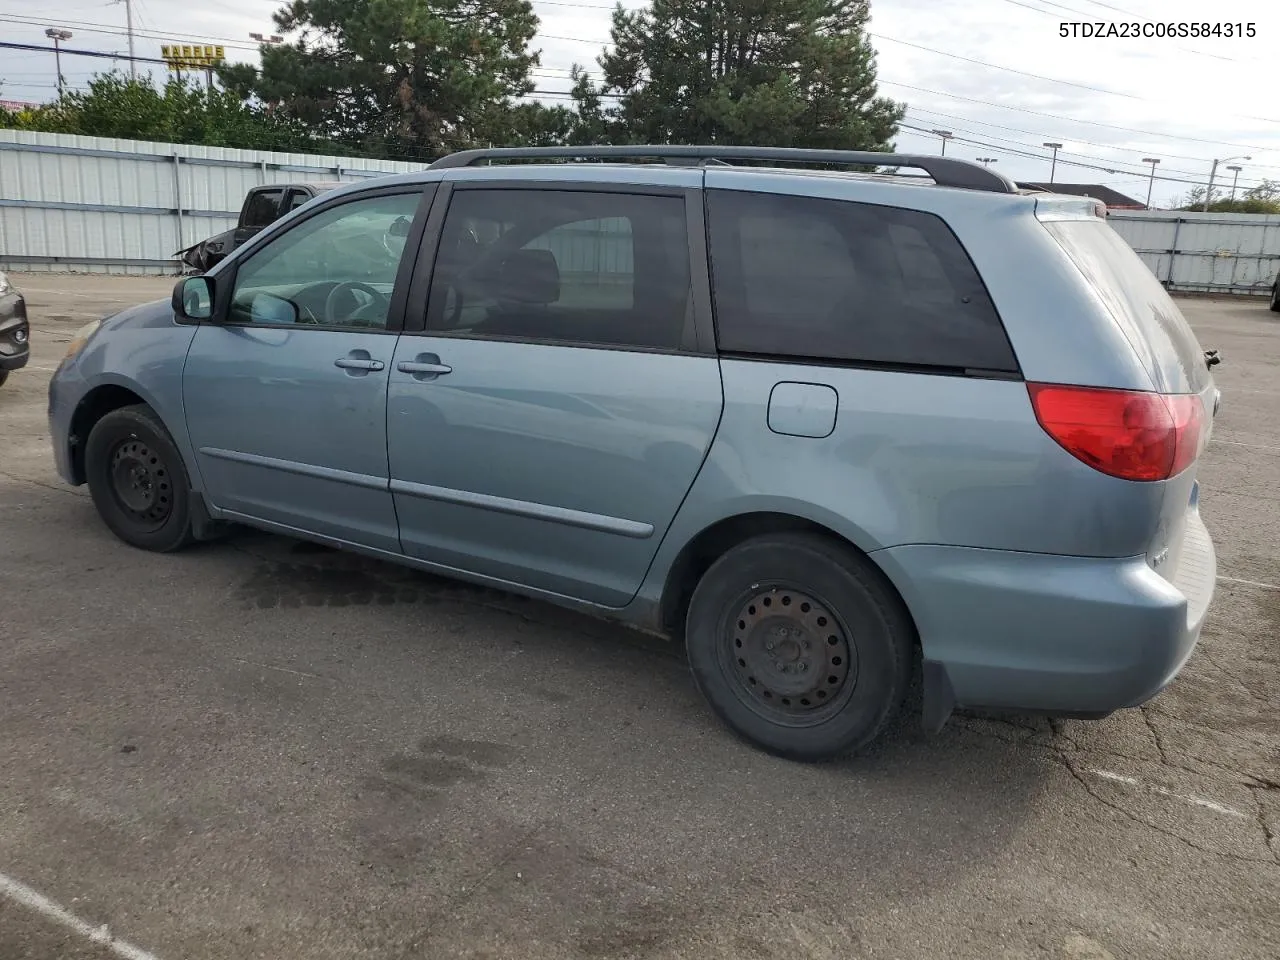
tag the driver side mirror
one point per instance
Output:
(193, 298)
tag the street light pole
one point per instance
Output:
(1234, 180)
(1053, 164)
(945, 135)
(1208, 194)
(1151, 181)
(57, 35)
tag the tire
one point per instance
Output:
(138, 481)
(1275, 299)
(4, 375)
(778, 601)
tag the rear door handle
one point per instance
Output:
(358, 362)
(425, 366)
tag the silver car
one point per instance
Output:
(825, 428)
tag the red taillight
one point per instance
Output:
(1123, 433)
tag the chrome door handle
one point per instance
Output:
(425, 366)
(358, 363)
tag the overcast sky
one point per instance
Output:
(995, 72)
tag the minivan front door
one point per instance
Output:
(285, 398)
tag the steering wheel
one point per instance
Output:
(332, 301)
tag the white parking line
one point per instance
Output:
(1249, 583)
(1195, 801)
(21, 893)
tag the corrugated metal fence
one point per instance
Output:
(1235, 253)
(123, 206)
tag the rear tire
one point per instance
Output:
(800, 646)
(138, 481)
(1275, 300)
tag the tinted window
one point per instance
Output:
(564, 266)
(296, 199)
(832, 280)
(337, 268)
(1150, 319)
(262, 208)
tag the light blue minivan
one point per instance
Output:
(826, 427)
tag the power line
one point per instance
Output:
(1189, 173)
(1027, 154)
(1092, 123)
(1038, 76)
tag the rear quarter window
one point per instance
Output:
(1151, 321)
(834, 280)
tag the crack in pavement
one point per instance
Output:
(1155, 735)
(1079, 777)
(71, 491)
(1054, 752)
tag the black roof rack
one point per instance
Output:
(945, 171)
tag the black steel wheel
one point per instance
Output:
(790, 654)
(138, 481)
(141, 484)
(800, 645)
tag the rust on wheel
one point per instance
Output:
(791, 655)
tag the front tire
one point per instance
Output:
(138, 481)
(4, 375)
(800, 646)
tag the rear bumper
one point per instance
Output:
(1052, 634)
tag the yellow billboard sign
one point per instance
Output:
(193, 55)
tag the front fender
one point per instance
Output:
(144, 354)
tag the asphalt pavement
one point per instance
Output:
(262, 749)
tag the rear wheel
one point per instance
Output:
(1275, 298)
(800, 646)
(138, 481)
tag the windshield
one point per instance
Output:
(1142, 307)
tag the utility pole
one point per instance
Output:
(128, 19)
(1053, 164)
(945, 135)
(57, 35)
(1151, 181)
(1234, 180)
(987, 161)
(1208, 194)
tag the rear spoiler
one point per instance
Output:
(1058, 206)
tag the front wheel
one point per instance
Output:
(4, 375)
(138, 481)
(800, 646)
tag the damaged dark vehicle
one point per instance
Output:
(262, 207)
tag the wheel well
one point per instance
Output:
(96, 404)
(712, 543)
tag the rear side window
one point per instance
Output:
(1146, 313)
(821, 279)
